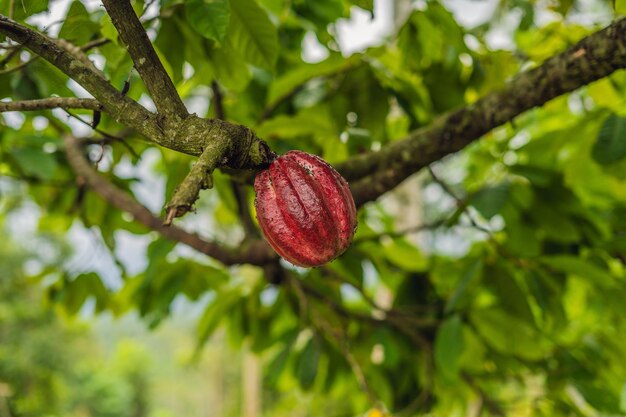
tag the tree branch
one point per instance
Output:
(239, 146)
(217, 101)
(106, 137)
(147, 63)
(90, 45)
(50, 103)
(199, 178)
(121, 108)
(9, 56)
(256, 253)
(593, 58)
(461, 203)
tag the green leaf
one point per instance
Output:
(274, 6)
(35, 162)
(24, 8)
(364, 4)
(556, 225)
(306, 367)
(405, 255)
(320, 12)
(168, 42)
(521, 239)
(449, 347)
(610, 146)
(599, 398)
(370, 104)
(210, 18)
(622, 399)
(214, 314)
(50, 80)
(78, 27)
(502, 280)
(93, 209)
(620, 8)
(229, 67)
(460, 289)
(509, 335)
(579, 267)
(297, 77)
(314, 122)
(78, 290)
(252, 34)
(25, 87)
(108, 30)
(489, 201)
(278, 363)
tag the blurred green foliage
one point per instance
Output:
(49, 365)
(505, 296)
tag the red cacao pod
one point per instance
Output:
(305, 209)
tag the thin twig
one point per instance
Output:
(50, 103)
(460, 202)
(400, 233)
(20, 66)
(446, 188)
(106, 135)
(385, 312)
(94, 44)
(146, 7)
(9, 56)
(36, 180)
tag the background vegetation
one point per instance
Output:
(490, 283)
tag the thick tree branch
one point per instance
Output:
(121, 108)
(50, 103)
(256, 253)
(147, 63)
(593, 58)
(239, 146)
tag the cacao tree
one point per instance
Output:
(486, 275)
